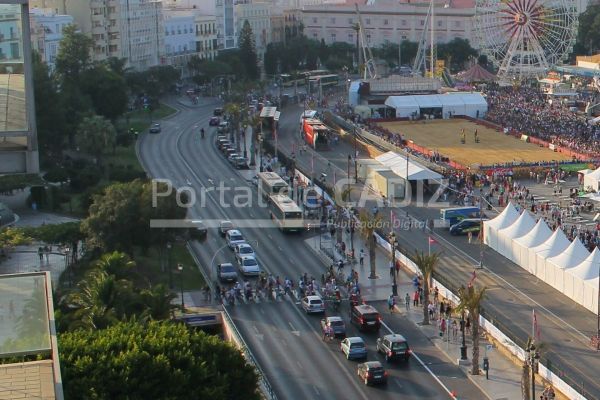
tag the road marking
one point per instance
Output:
(259, 335)
(316, 390)
(299, 365)
(424, 366)
(397, 382)
(294, 331)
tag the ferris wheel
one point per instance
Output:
(525, 38)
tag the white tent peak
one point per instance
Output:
(538, 235)
(572, 256)
(589, 268)
(507, 217)
(555, 243)
(520, 227)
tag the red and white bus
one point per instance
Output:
(316, 134)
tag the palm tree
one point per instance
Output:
(158, 302)
(115, 263)
(235, 112)
(470, 300)
(254, 122)
(426, 264)
(368, 224)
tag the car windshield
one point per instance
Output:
(226, 225)
(235, 238)
(376, 370)
(400, 346)
(369, 317)
(357, 345)
(315, 301)
(249, 262)
(227, 268)
(337, 323)
(246, 250)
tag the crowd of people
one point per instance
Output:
(527, 110)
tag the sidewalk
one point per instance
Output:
(504, 375)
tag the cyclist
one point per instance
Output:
(202, 133)
(327, 332)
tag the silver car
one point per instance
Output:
(226, 272)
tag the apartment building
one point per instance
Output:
(18, 140)
(260, 15)
(46, 33)
(206, 37)
(226, 34)
(386, 22)
(131, 29)
(180, 39)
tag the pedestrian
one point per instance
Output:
(416, 298)
(391, 270)
(431, 310)
(442, 326)
(448, 310)
(47, 253)
(340, 266)
(468, 324)
(391, 303)
(407, 302)
(361, 257)
(41, 253)
(469, 236)
(454, 330)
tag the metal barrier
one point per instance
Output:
(266, 387)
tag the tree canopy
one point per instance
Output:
(157, 360)
(247, 52)
(588, 34)
(96, 136)
(73, 57)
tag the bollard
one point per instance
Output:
(486, 367)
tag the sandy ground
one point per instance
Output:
(493, 147)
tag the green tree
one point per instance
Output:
(107, 91)
(49, 114)
(156, 360)
(68, 233)
(248, 52)
(271, 60)
(427, 264)
(12, 237)
(456, 52)
(368, 225)
(234, 111)
(158, 302)
(588, 34)
(73, 57)
(96, 136)
(470, 300)
(117, 65)
(115, 263)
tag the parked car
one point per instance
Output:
(222, 143)
(217, 112)
(214, 121)
(372, 372)
(231, 158)
(226, 272)
(467, 225)
(336, 324)
(313, 304)
(240, 163)
(224, 226)
(249, 266)
(198, 231)
(223, 126)
(155, 128)
(366, 317)
(354, 348)
(233, 238)
(394, 347)
(243, 250)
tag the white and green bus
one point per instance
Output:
(269, 184)
(323, 81)
(286, 214)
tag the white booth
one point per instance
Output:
(490, 228)
(556, 266)
(555, 245)
(538, 235)
(522, 225)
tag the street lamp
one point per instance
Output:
(533, 357)
(180, 268)
(463, 346)
(355, 156)
(393, 243)
(169, 265)
(244, 139)
(67, 251)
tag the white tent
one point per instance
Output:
(556, 266)
(555, 244)
(416, 172)
(428, 101)
(538, 235)
(453, 105)
(490, 228)
(522, 225)
(581, 282)
(592, 180)
(405, 106)
(475, 104)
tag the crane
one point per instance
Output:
(370, 67)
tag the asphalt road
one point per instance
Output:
(286, 342)
(512, 293)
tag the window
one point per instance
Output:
(315, 20)
(422, 22)
(439, 23)
(403, 22)
(350, 21)
(314, 35)
(368, 21)
(333, 37)
(368, 38)
(385, 22)
(351, 38)
(457, 24)
(332, 20)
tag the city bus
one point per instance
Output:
(315, 72)
(285, 213)
(323, 81)
(451, 216)
(269, 184)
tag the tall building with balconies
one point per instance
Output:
(130, 29)
(18, 140)
(46, 33)
(224, 13)
(206, 37)
(180, 38)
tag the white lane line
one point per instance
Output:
(299, 365)
(397, 382)
(424, 366)
(316, 390)
(460, 252)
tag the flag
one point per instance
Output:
(431, 240)
(536, 334)
(473, 277)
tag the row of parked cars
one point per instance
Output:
(245, 256)
(366, 318)
(228, 149)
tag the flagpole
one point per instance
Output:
(429, 246)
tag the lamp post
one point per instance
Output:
(169, 265)
(463, 346)
(180, 268)
(355, 156)
(349, 161)
(67, 251)
(480, 230)
(245, 126)
(533, 357)
(393, 243)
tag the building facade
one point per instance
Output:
(131, 29)
(46, 33)
(206, 37)
(259, 15)
(224, 13)
(180, 39)
(18, 135)
(386, 23)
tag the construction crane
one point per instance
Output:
(420, 63)
(370, 71)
